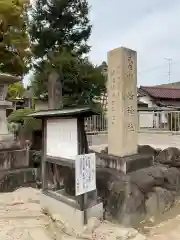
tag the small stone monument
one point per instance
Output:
(5, 80)
(122, 102)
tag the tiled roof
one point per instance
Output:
(84, 111)
(160, 92)
(141, 93)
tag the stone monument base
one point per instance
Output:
(68, 213)
(138, 161)
(126, 164)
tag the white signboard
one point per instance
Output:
(62, 138)
(85, 170)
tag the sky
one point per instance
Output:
(151, 27)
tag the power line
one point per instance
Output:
(151, 69)
(169, 67)
(145, 71)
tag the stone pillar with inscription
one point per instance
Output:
(122, 102)
(54, 91)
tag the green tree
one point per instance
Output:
(60, 30)
(58, 24)
(83, 83)
(15, 90)
(13, 37)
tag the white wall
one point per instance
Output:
(152, 119)
(148, 100)
(146, 119)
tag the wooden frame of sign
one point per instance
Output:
(51, 118)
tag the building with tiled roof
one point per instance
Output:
(165, 98)
(161, 96)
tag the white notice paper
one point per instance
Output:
(62, 138)
(85, 171)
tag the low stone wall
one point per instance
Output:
(15, 168)
(14, 179)
(13, 159)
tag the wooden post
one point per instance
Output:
(43, 161)
(82, 149)
(27, 147)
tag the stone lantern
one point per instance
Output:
(5, 80)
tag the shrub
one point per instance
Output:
(36, 158)
(21, 116)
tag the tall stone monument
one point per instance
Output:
(5, 80)
(122, 102)
(54, 91)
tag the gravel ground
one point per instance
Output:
(21, 218)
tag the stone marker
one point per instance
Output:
(122, 102)
(54, 91)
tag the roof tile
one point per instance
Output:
(161, 92)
